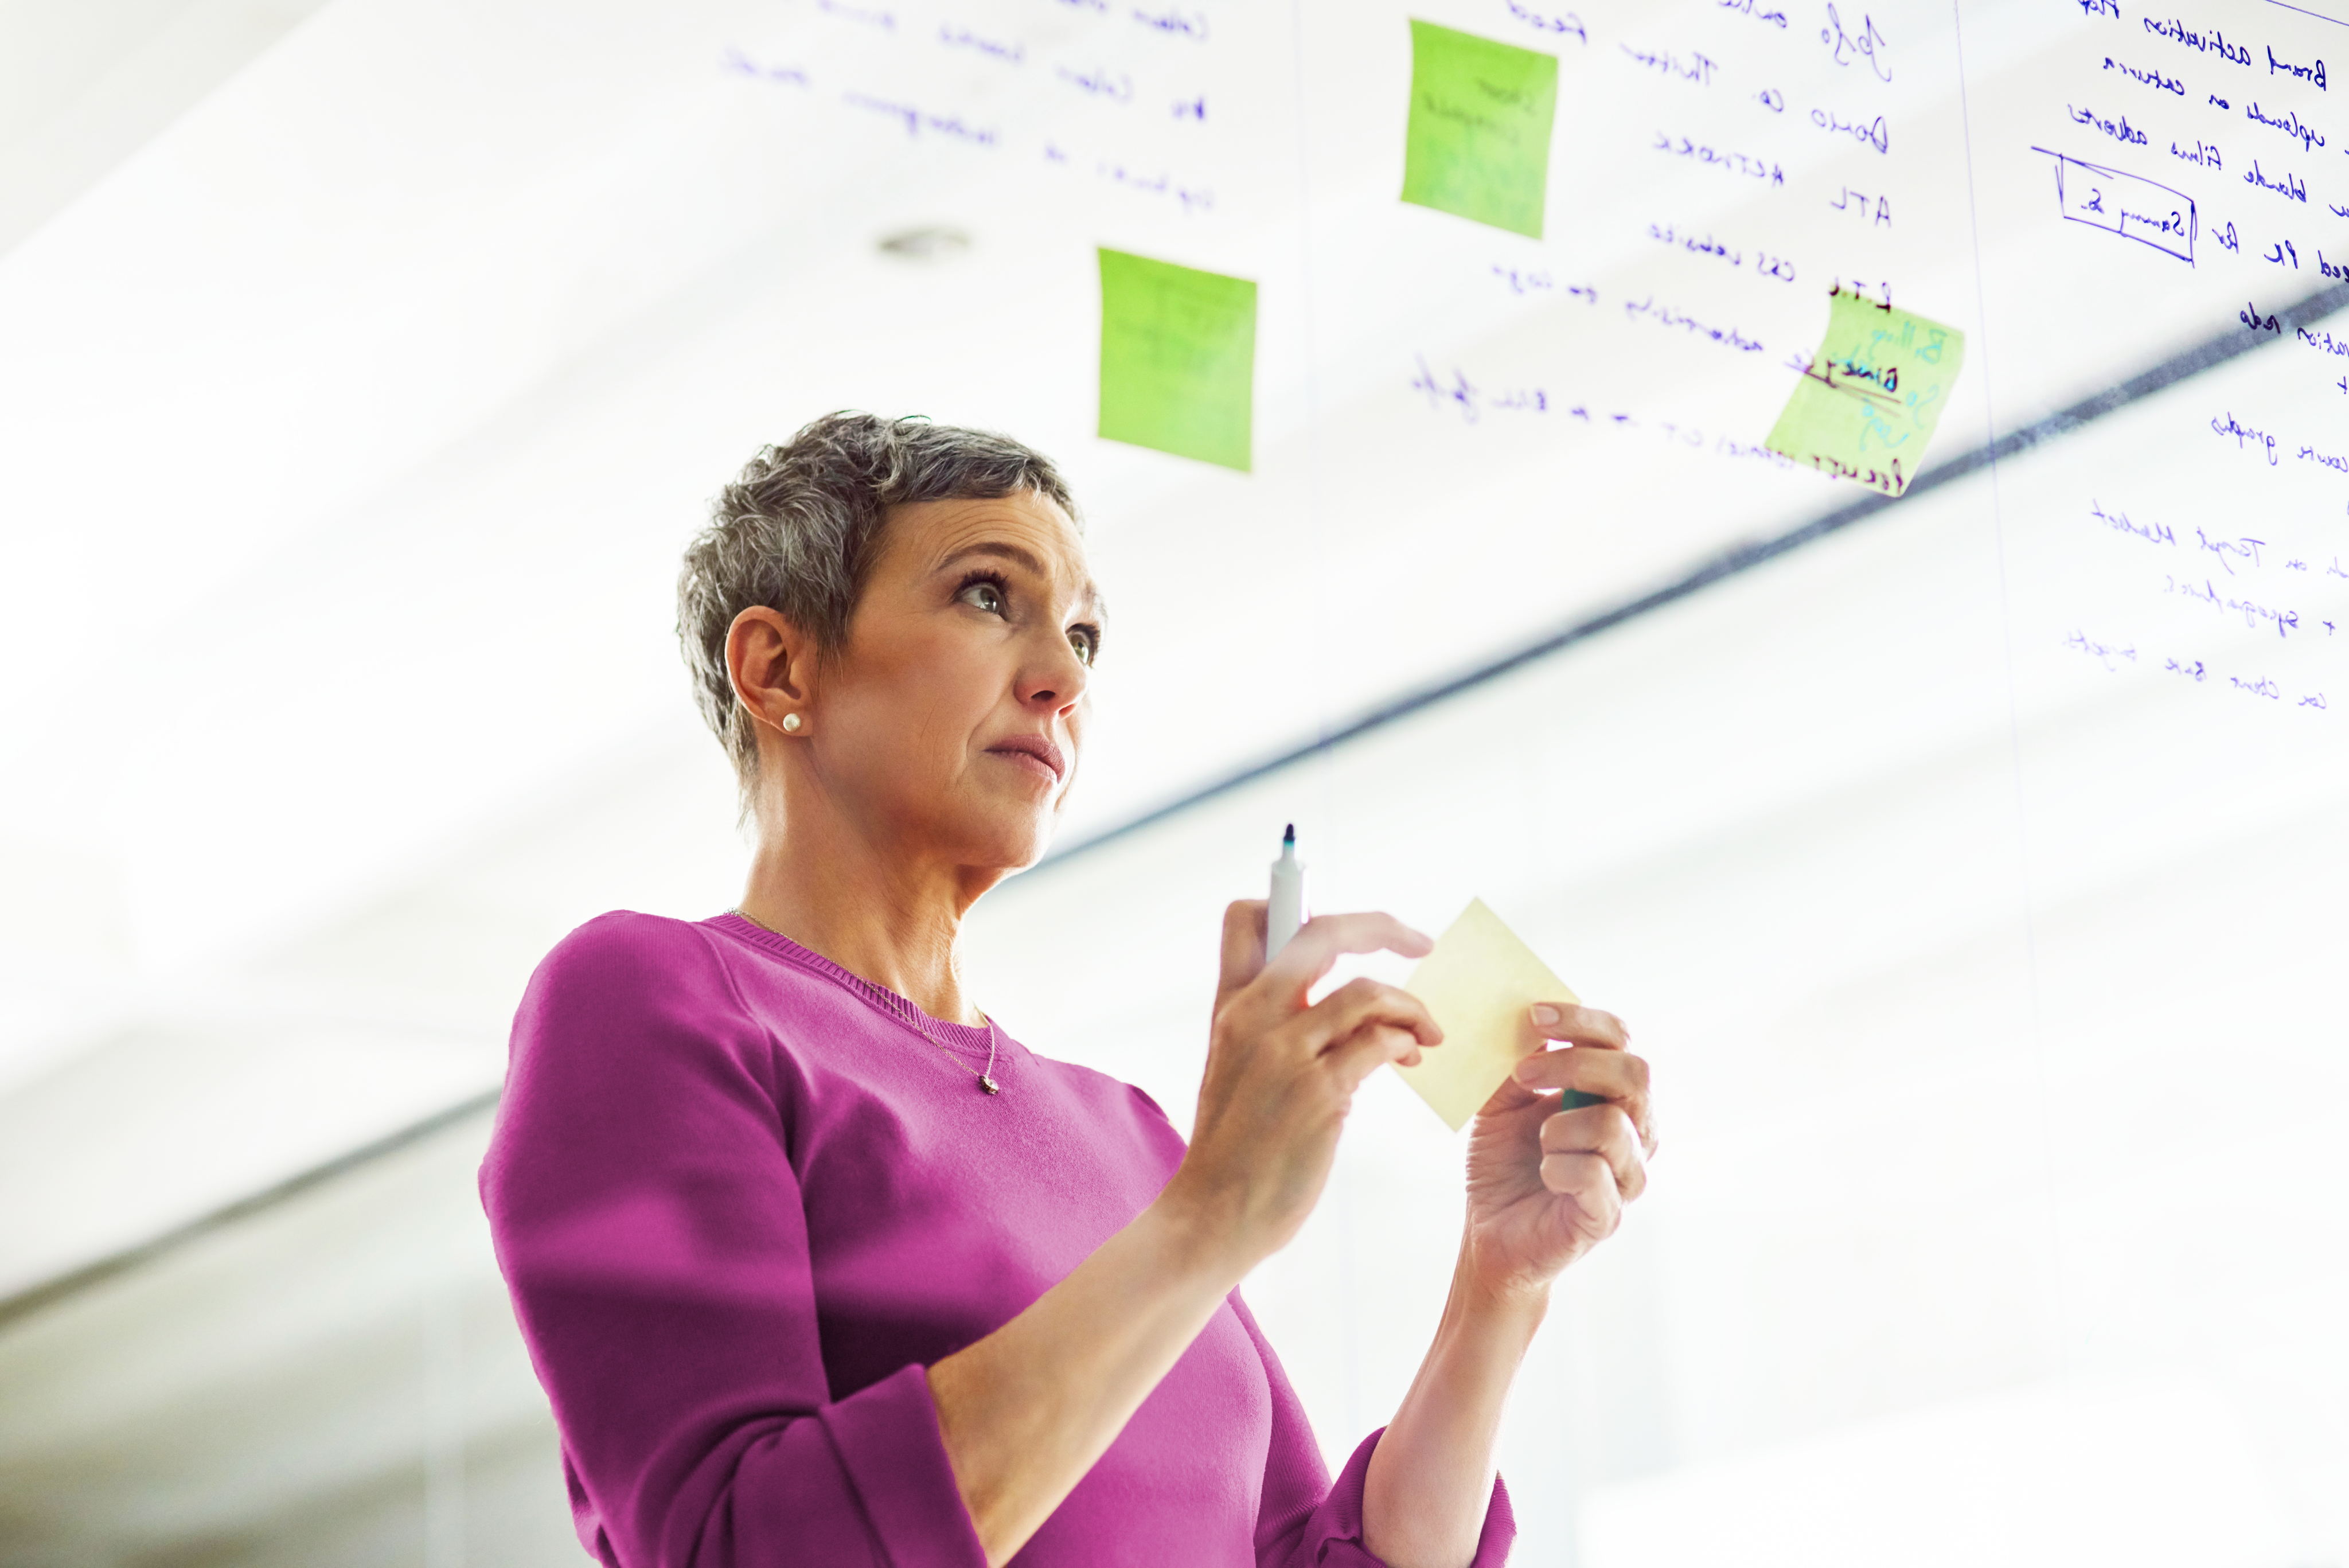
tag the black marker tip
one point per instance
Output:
(1289, 834)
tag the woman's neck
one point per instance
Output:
(880, 915)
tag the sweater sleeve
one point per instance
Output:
(648, 1222)
(1305, 1520)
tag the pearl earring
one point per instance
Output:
(791, 723)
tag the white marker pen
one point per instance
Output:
(1285, 911)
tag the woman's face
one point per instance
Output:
(950, 724)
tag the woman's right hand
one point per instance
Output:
(1282, 1076)
(1026, 1412)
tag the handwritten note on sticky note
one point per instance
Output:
(1870, 397)
(1177, 358)
(1478, 143)
(1479, 983)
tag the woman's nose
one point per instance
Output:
(1059, 683)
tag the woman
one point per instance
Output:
(818, 1266)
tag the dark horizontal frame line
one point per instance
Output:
(2190, 362)
(2320, 15)
(26, 1303)
(2193, 361)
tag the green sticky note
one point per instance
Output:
(1479, 139)
(1870, 397)
(1177, 358)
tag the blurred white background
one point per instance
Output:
(363, 367)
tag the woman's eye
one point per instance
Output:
(1083, 641)
(984, 595)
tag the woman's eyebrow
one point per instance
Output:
(1089, 596)
(1001, 549)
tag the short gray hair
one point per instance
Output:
(799, 529)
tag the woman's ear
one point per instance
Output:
(772, 664)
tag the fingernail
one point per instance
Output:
(1523, 1072)
(1544, 1014)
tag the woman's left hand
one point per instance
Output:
(1545, 1184)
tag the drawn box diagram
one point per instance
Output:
(2125, 205)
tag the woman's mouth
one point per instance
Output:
(1034, 753)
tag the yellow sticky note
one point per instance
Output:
(1478, 982)
(1868, 400)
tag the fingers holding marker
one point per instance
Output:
(1364, 1024)
(1368, 1049)
(1243, 948)
(1589, 1180)
(1579, 1025)
(1609, 1074)
(1593, 1067)
(1320, 942)
(1604, 1131)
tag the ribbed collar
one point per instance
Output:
(964, 1039)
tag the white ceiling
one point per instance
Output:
(363, 366)
(83, 86)
(354, 423)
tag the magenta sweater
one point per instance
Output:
(741, 1201)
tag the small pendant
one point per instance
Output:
(988, 1085)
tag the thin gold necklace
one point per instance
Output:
(986, 1080)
